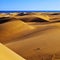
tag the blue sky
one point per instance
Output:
(29, 4)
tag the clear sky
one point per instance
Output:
(29, 4)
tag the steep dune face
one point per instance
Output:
(13, 29)
(46, 41)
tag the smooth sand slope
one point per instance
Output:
(13, 29)
(7, 54)
(45, 41)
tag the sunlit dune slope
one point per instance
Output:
(7, 54)
(13, 29)
(45, 41)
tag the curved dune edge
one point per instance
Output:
(14, 29)
(32, 17)
(7, 54)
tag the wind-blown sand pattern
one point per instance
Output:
(34, 36)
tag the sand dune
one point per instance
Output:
(45, 41)
(13, 29)
(34, 36)
(28, 18)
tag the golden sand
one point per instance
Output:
(33, 40)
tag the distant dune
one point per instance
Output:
(31, 18)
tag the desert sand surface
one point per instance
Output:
(7, 54)
(34, 36)
(45, 41)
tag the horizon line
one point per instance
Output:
(29, 10)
